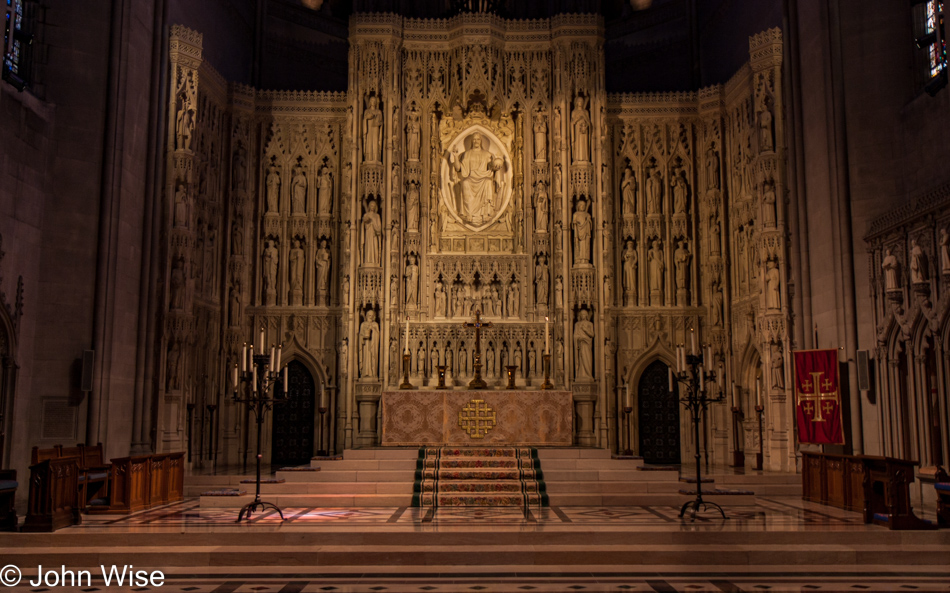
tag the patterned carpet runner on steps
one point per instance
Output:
(483, 476)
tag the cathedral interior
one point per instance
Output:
(448, 235)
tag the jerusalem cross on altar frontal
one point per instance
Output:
(477, 382)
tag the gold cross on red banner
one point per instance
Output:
(822, 398)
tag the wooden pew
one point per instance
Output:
(94, 475)
(8, 486)
(54, 495)
(144, 481)
(878, 487)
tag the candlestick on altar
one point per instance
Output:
(262, 340)
(692, 339)
(244, 358)
(406, 351)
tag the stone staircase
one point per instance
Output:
(385, 477)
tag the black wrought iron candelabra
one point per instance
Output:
(693, 376)
(263, 386)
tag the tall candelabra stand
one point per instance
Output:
(738, 456)
(259, 378)
(323, 408)
(693, 377)
(760, 412)
(627, 410)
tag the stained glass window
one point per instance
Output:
(937, 52)
(17, 39)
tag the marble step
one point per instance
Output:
(300, 500)
(348, 476)
(579, 499)
(341, 488)
(611, 475)
(572, 453)
(365, 464)
(590, 463)
(384, 453)
(584, 487)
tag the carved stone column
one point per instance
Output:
(368, 405)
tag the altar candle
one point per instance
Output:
(547, 329)
(708, 355)
(250, 357)
(234, 377)
(272, 353)
(244, 358)
(254, 378)
(277, 366)
(671, 380)
(323, 397)
(702, 379)
(262, 340)
(758, 393)
(407, 335)
(692, 338)
(285, 379)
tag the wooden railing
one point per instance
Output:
(144, 481)
(54, 495)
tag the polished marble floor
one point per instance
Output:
(772, 521)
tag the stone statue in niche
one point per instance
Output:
(890, 266)
(541, 280)
(237, 240)
(296, 266)
(463, 360)
(324, 191)
(944, 251)
(434, 231)
(412, 281)
(488, 307)
(715, 237)
(371, 235)
(580, 131)
(558, 293)
(420, 361)
(239, 169)
(322, 258)
(270, 267)
(181, 206)
(655, 192)
(681, 259)
(477, 181)
(177, 284)
(413, 133)
(413, 207)
(234, 310)
(449, 359)
(345, 291)
(344, 361)
(185, 121)
(583, 347)
(608, 298)
(298, 192)
(541, 207)
(372, 131)
(273, 189)
(519, 360)
(768, 204)
(628, 189)
(393, 289)
(716, 304)
(777, 363)
(434, 358)
(369, 346)
(741, 256)
(712, 168)
(440, 299)
(765, 126)
(680, 193)
(532, 361)
(496, 302)
(557, 179)
(630, 263)
(514, 300)
(918, 265)
(556, 121)
(173, 380)
(540, 136)
(657, 271)
(490, 360)
(583, 226)
(458, 302)
(773, 298)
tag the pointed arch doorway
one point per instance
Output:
(659, 416)
(292, 440)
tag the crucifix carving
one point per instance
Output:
(477, 382)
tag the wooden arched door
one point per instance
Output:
(659, 416)
(292, 442)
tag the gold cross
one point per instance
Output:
(477, 418)
(822, 398)
(478, 325)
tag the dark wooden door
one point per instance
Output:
(659, 417)
(293, 420)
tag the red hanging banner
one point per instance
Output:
(818, 397)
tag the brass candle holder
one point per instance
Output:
(440, 370)
(510, 369)
(546, 363)
(406, 361)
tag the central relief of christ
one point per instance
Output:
(476, 178)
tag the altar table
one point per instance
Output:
(477, 417)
